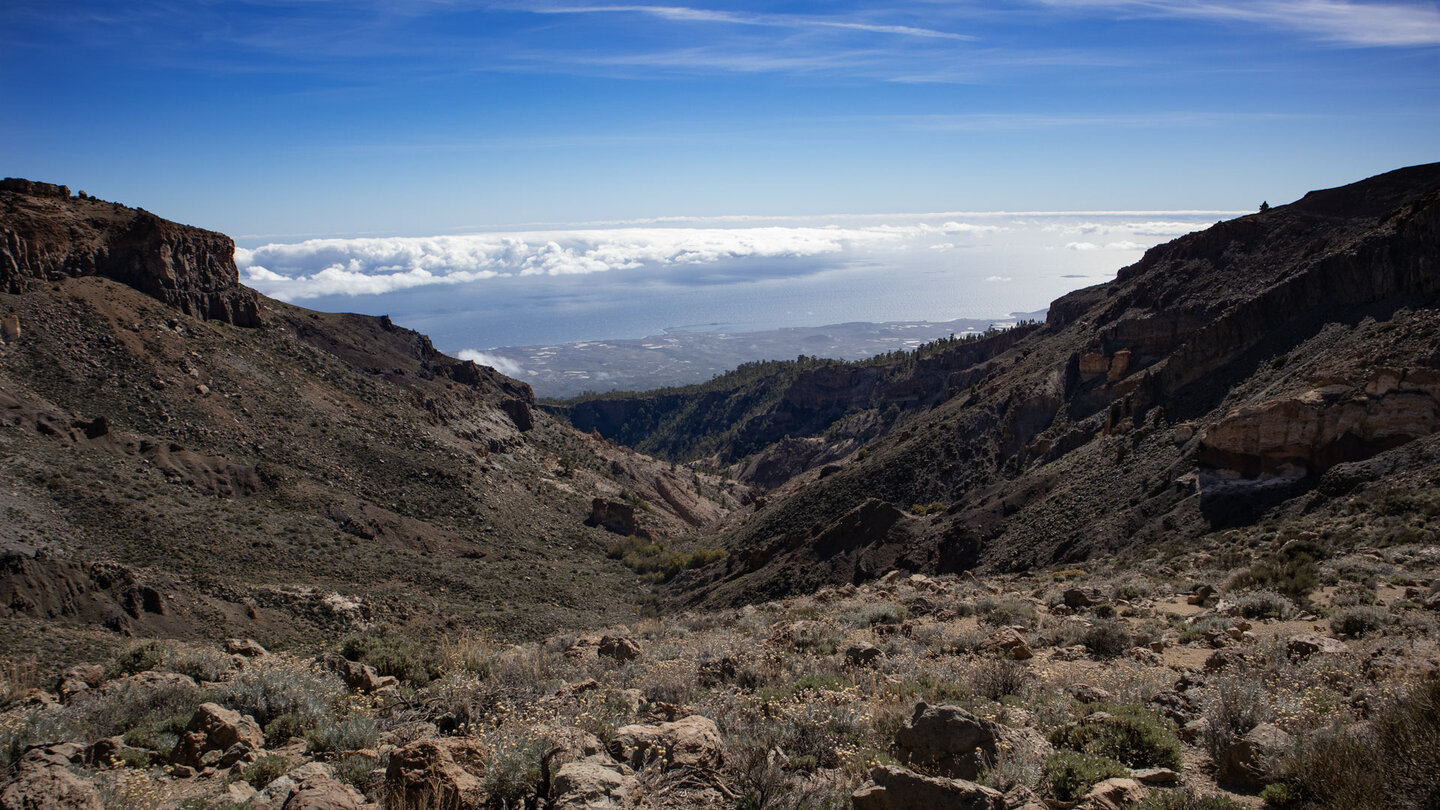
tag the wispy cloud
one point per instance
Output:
(1360, 24)
(504, 365)
(794, 21)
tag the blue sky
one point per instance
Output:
(276, 121)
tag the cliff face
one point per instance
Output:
(1217, 380)
(46, 235)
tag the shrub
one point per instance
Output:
(1355, 622)
(1239, 703)
(349, 734)
(1069, 774)
(1393, 764)
(354, 771)
(265, 770)
(146, 655)
(996, 678)
(1292, 570)
(1129, 734)
(277, 685)
(407, 659)
(1107, 639)
(1005, 611)
(1185, 800)
(1263, 605)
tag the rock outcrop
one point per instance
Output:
(46, 235)
(894, 788)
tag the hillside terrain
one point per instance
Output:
(1274, 366)
(183, 457)
(1175, 548)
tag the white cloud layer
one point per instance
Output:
(367, 266)
(504, 365)
(741, 249)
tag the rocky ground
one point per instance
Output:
(1263, 669)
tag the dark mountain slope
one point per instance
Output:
(279, 473)
(781, 418)
(1215, 381)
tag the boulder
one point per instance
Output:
(692, 742)
(247, 647)
(863, 655)
(442, 772)
(950, 741)
(321, 791)
(112, 751)
(1113, 794)
(1008, 640)
(1088, 693)
(45, 782)
(215, 728)
(1308, 644)
(1204, 595)
(1245, 763)
(591, 784)
(1155, 776)
(893, 788)
(620, 648)
(357, 676)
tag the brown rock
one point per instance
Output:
(214, 728)
(620, 648)
(591, 784)
(1308, 644)
(1246, 762)
(1113, 794)
(863, 655)
(895, 788)
(692, 742)
(41, 783)
(444, 772)
(952, 742)
(247, 647)
(614, 516)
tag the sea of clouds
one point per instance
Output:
(622, 280)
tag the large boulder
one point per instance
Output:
(893, 788)
(215, 728)
(593, 784)
(1113, 794)
(44, 781)
(1245, 764)
(691, 742)
(950, 741)
(1308, 644)
(620, 648)
(444, 772)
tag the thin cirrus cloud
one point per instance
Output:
(794, 21)
(1342, 22)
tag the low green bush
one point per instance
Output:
(1130, 734)
(1185, 800)
(1070, 774)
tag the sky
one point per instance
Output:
(689, 129)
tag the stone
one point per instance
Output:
(1009, 641)
(620, 648)
(1203, 595)
(10, 328)
(1245, 763)
(614, 516)
(1089, 693)
(1155, 776)
(691, 742)
(1308, 644)
(215, 728)
(247, 647)
(895, 788)
(863, 655)
(1113, 794)
(950, 741)
(112, 751)
(590, 784)
(357, 676)
(41, 783)
(1079, 597)
(441, 772)
(321, 791)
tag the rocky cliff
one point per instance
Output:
(47, 235)
(1214, 382)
